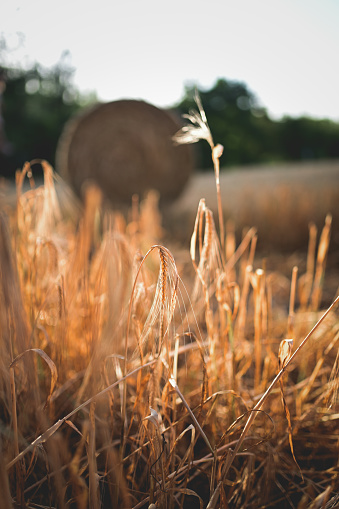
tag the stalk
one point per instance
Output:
(217, 151)
(214, 499)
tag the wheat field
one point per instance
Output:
(130, 379)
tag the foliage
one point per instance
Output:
(306, 138)
(249, 135)
(36, 104)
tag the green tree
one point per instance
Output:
(36, 104)
(306, 138)
(249, 135)
(237, 122)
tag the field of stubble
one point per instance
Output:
(206, 375)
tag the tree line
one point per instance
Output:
(35, 104)
(250, 136)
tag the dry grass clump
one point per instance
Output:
(121, 387)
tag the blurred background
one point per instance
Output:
(265, 70)
(37, 102)
(266, 73)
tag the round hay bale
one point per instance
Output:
(125, 147)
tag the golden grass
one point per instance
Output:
(122, 387)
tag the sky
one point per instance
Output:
(286, 51)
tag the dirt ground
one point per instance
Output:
(280, 201)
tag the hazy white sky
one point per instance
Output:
(285, 50)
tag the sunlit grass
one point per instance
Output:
(124, 383)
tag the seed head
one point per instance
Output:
(198, 128)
